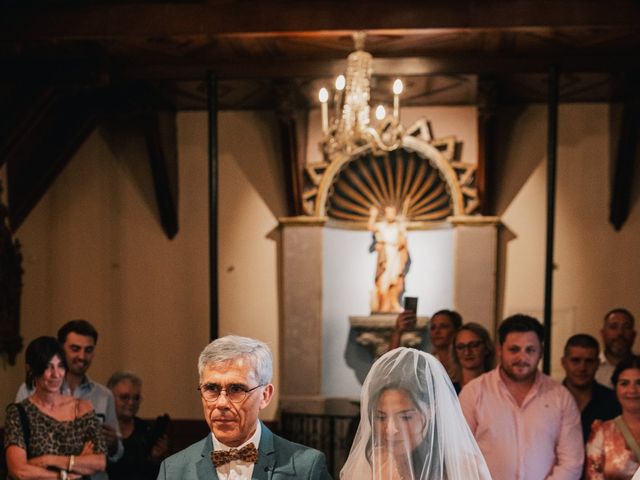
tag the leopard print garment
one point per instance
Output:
(51, 436)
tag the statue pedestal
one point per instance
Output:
(374, 332)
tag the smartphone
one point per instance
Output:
(411, 304)
(159, 428)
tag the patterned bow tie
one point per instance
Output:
(248, 454)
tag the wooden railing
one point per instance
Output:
(331, 434)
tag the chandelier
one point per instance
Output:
(349, 129)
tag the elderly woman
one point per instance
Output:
(49, 435)
(145, 445)
(473, 353)
(612, 450)
(411, 424)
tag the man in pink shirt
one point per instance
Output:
(526, 424)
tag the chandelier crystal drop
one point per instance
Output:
(350, 129)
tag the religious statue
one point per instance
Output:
(390, 243)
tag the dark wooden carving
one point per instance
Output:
(487, 113)
(51, 134)
(628, 154)
(292, 112)
(10, 288)
(160, 135)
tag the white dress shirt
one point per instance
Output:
(604, 372)
(237, 469)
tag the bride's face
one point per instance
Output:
(399, 423)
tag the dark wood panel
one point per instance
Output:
(215, 18)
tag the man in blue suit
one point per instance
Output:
(235, 384)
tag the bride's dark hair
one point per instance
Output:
(413, 377)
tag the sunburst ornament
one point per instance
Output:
(422, 179)
(402, 179)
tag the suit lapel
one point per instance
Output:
(268, 460)
(263, 468)
(204, 466)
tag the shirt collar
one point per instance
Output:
(85, 384)
(603, 358)
(255, 439)
(534, 386)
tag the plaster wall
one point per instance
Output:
(94, 249)
(596, 268)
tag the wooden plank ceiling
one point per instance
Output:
(252, 45)
(102, 59)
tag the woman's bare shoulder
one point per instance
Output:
(84, 407)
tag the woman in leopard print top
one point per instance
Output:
(64, 437)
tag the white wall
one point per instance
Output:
(94, 249)
(348, 279)
(597, 268)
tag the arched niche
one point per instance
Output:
(421, 178)
(415, 178)
(336, 197)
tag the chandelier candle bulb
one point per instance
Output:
(380, 113)
(397, 90)
(341, 82)
(323, 96)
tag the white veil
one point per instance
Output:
(411, 424)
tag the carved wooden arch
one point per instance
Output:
(414, 141)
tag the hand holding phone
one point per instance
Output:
(411, 304)
(159, 428)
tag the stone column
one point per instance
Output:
(475, 269)
(301, 294)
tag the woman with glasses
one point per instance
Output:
(473, 353)
(49, 435)
(411, 425)
(145, 445)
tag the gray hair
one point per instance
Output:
(233, 347)
(121, 376)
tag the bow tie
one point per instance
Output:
(248, 453)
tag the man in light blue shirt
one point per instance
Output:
(79, 339)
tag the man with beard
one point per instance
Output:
(78, 339)
(618, 334)
(526, 424)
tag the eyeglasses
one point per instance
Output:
(235, 393)
(129, 398)
(471, 345)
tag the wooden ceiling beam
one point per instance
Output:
(411, 66)
(41, 154)
(160, 131)
(186, 70)
(627, 155)
(313, 17)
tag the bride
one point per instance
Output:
(411, 425)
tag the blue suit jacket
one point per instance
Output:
(278, 459)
